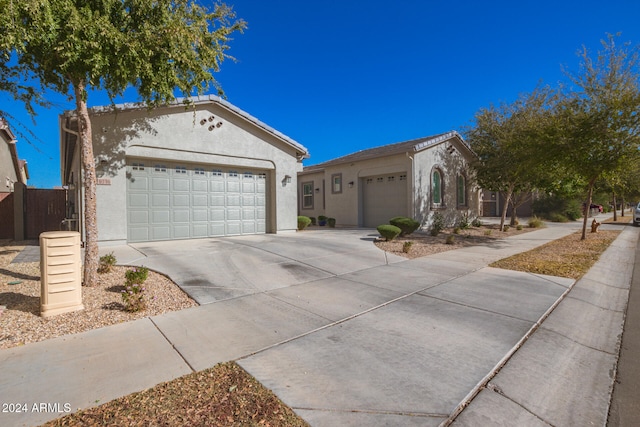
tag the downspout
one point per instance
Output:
(412, 198)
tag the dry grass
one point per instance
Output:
(224, 395)
(566, 257)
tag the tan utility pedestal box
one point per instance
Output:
(60, 273)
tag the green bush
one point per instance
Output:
(313, 220)
(456, 230)
(406, 246)
(519, 227)
(389, 232)
(558, 217)
(136, 275)
(107, 262)
(133, 293)
(464, 222)
(406, 225)
(535, 222)
(303, 222)
(450, 239)
(331, 222)
(476, 222)
(505, 227)
(438, 224)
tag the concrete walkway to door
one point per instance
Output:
(346, 335)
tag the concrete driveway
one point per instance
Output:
(212, 270)
(344, 333)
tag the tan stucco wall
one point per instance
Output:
(346, 207)
(175, 134)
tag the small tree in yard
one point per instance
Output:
(506, 140)
(599, 123)
(72, 46)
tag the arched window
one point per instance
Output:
(436, 187)
(462, 191)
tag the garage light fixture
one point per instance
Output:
(351, 184)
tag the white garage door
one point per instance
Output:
(168, 201)
(384, 196)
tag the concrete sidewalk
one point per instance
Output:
(407, 343)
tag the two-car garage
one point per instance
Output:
(168, 201)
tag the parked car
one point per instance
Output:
(636, 216)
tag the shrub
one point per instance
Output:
(487, 232)
(389, 232)
(322, 220)
(464, 222)
(519, 227)
(133, 298)
(438, 224)
(331, 222)
(456, 230)
(303, 222)
(505, 227)
(136, 275)
(450, 239)
(535, 222)
(133, 293)
(406, 246)
(476, 222)
(106, 263)
(558, 217)
(406, 225)
(313, 220)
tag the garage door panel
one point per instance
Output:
(200, 185)
(160, 217)
(160, 184)
(160, 201)
(172, 201)
(139, 183)
(138, 217)
(136, 200)
(180, 216)
(160, 233)
(233, 214)
(233, 228)
(200, 230)
(180, 184)
(384, 196)
(181, 232)
(199, 215)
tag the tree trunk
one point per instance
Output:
(514, 215)
(615, 211)
(586, 209)
(507, 200)
(89, 180)
(622, 207)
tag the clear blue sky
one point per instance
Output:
(344, 75)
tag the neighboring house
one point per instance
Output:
(13, 182)
(413, 178)
(493, 203)
(12, 169)
(179, 172)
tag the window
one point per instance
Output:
(181, 169)
(233, 174)
(160, 168)
(462, 191)
(381, 179)
(262, 176)
(436, 188)
(138, 166)
(391, 178)
(336, 183)
(248, 175)
(199, 171)
(403, 177)
(216, 172)
(369, 180)
(307, 195)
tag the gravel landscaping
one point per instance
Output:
(20, 321)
